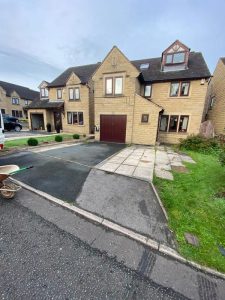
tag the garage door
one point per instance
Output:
(113, 128)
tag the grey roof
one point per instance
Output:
(45, 104)
(197, 68)
(22, 91)
(83, 72)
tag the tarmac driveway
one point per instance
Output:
(61, 172)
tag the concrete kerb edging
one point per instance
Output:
(159, 200)
(118, 228)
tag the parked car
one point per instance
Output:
(2, 136)
(12, 123)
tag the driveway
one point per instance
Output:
(61, 172)
(70, 174)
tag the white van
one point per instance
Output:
(2, 136)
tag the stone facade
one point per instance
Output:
(216, 98)
(134, 105)
(8, 107)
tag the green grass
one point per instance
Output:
(23, 142)
(193, 205)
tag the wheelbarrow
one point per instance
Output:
(8, 189)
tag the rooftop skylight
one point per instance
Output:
(144, 66)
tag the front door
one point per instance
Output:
(58, 119)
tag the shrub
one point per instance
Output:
(222, 157)
(84, 135)
(58, 138)
(200, 144)
(76, 136)
(32, 142)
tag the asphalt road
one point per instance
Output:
(40, 261)
(61, 172)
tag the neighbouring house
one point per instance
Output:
(14, 99)
(66, 102)
(148, 100)
(216, 98)
(142, 101)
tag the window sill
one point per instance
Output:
(113, 96)
(179, 97)
(144, 123)
(76, 125)
(174, 132)
(77, 100)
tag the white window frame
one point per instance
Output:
(59, 93)
(77, 114)
(74, 94)
(15, 101)
(145, 93)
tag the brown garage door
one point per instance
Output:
(113, 128)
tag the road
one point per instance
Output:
(47, 252)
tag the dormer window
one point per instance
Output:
(175, 58)
(44, 92)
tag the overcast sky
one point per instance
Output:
(40, 38)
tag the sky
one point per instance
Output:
(39, 39)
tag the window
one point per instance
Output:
(109, 86)
(174, 89)
(212, 102)
(114, 85)
(179, 89)
(15, 101)
(148, 90)
(44, 92)
(59, 93)
(3, 111)
(17, 113)
(184, 90)
(144, 118)
(175, 58)
(76, 118)
(173, 123)
(74, 93)
(144, 66)
(163, 123)
(26, 102)
(118, 85)
(183, 123)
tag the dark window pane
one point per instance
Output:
(174, 89)
(81, 118)
(173, 123)
(183, 123)
(184, 91)
(144, 118)
(75, 120)
(163, 123)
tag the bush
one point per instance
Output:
(58, 138)
(200, 144)
(222, 157)
(32, 142)
(76, 136)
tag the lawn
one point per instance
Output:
(195, 203)
(44, 139)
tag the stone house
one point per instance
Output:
(216, 98)
(14, 99)
(142, 101)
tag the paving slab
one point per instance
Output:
(125, 170)
(111, 167)
(143, 172)
(163, 174)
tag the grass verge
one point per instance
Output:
(44, 139)
(195, 203)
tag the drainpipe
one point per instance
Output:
(132, 132)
